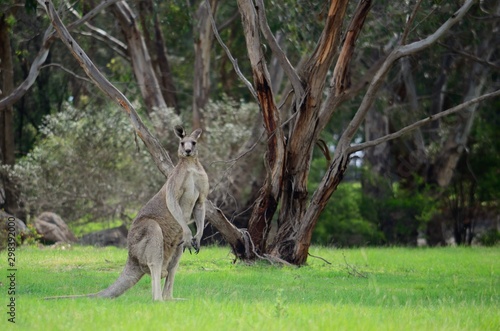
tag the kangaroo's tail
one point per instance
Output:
(130, 275)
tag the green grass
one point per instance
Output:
(83, 226)
(362, 289)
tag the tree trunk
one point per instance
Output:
(203, 38)
(157, 49)
(267, 202)
(141, 61)
(294, 227)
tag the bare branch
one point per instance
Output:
(229, 55)
(66, 70)
(161, 157)
(341, 89)
(38, 61)
(41, 57)
(422, 122)
(87, 17)
(410, 22)
(471, 56)
(91, 14)
(341, 77)
(397, 53)
(114, 44)
(100, 34)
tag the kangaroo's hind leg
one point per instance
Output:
(168, 288)
(150, 252)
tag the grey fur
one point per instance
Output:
(160, 232)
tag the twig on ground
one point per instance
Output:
(351, 270)
(319, 257)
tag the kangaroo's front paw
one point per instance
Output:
(187, 241)
(196, 246)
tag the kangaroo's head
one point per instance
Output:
(187, 145)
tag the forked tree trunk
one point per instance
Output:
(297, 216)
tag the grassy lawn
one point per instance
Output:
(362, 289)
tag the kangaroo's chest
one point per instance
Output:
(190, 192)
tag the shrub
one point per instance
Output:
(490, 238)
(86, 164)
(342, 223)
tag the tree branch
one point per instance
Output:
(341, 79)
(41, 57)
(66, 70)
(161, 157)
(420, 123)
(36, 65)
(410, 22)
(229, 55)
(115, 44)
(397, 53)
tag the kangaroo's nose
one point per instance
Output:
(188, 151)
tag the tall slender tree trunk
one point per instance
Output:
(157, 48)
(140, 58)
(203, 39)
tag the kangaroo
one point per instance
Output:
(160, 233)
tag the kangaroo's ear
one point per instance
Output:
(196, 133)
(179, 131)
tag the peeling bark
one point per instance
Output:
(267, 202)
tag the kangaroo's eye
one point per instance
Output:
(194, 143)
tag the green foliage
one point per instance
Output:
(400, 213)
(29, 237)
(342, 222)
(483, 158)
(490, 238)
(405, 289)
(86, 165)
(86, 224)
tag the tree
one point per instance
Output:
(314, 98)
(425, 161)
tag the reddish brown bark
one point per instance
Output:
(267, 202)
